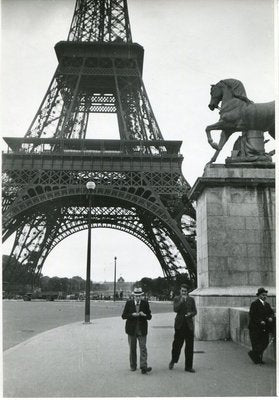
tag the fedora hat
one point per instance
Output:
(261, 290)
(138, 291)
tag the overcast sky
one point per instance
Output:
(189, 45)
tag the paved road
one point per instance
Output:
(79, 360)
(24, 319)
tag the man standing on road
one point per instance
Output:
(185, 307)
(260, 325)
(137, 313)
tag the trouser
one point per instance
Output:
(259, 342)
(132, 340)
(181, 335)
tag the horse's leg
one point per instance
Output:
(214, 158)
(223, 140)
(214, 127)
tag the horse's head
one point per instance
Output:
(227, 88)
(216, 94)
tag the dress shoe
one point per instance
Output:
(251, 355)
(171, 365)
(190, 370)
(145, 370)
(133, 369)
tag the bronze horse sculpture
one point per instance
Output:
(237, 113)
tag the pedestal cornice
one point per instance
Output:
(236, 175)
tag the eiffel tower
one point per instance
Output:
(140, 188)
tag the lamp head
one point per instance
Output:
(90, 185)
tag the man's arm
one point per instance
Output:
(127, 314)
(255, 315)
(147, 313)
(177, 303)
(193, 311)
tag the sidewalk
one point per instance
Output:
(80, 360)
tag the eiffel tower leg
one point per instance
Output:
(155, 240)
(135, 111)
(33, 241)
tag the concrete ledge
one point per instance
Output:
(242, 175)
(231, 291)
(212, 323)
(234, 296)
(227, 323)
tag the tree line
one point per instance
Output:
(164, 288)
(19, 279)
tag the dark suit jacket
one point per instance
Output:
(182, 307)
(259, 312)
(131, 323)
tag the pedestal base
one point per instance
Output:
(235, 243)
(216, 308)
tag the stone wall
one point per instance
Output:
(235, 242)
(235, 228)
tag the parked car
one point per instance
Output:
(27, 296)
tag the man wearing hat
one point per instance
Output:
(137, 313)
(261, 318)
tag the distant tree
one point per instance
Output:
(147, 285)
(54, 284)
(16, 277)
(64, 285)
(163, 287)
(44, 280)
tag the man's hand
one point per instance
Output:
(188, 314)
(135, 314)
(262, 322)
(141, 313)
(270, 319)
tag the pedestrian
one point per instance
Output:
(137, 313)
(261, 322)
(185, 309)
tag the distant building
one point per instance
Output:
(123, 289)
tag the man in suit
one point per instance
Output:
(185, 309)
(261, 321)
(137, 313)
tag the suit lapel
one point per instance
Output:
(261, 304)
(188, 303)
(133, 306)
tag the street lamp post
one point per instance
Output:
(114, 286)
(90, 186)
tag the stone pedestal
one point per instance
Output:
(235, 242)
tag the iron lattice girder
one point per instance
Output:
(161, 223)
(37, 181)
(30, 176)
(76, 219)
(140, 181)
(93, 78)
(100, 20)
(42, 231)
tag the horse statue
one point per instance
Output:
(237, 113)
